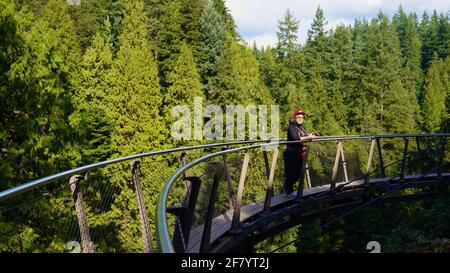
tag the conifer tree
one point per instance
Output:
(237, 77)
(134, 102)
(88, 19)
(316, 70)
(287, 35)
(410, 46)
(47, 67)
(184, 84)
(190, 25)
(135, 94)
(166, 35)
(213, 36)
(435, 108)
(386, 91)
(340, 75)
(90, 118)
(15, 108)
(226, 17)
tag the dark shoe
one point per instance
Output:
(289, 191)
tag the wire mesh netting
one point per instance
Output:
(344, 162)
(45, 219)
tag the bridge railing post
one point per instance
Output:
(231, 194)
(405, 155)
(308, 176)
(441, 157)
(86, 242)
(336, 165)
(380, 159)
(187, 185)
(369, 162)
(344, 163)
(145, 228)
(302, 176)
(237, 209)
(206, 235)
(270, 175)
(420, 156)
(185, 215)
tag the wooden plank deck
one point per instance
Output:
(222, 223)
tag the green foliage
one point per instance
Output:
(135, 90)
(213, 36)
(184, 85)
(436, 106)
(410, 45)
(287, 35)
(166, 35)
(81, 84)
(227, 19)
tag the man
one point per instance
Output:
(295, 152)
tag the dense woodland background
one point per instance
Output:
(82, 84)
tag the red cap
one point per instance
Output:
(299, 111)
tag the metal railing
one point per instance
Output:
(83, 201)
(330, 163)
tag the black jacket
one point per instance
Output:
(294, 132)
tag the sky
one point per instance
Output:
(257, 20)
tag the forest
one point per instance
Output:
(83, 83)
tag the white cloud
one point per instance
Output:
(264, 39)
(258, 19)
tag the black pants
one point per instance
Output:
(292, 168)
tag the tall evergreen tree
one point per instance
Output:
(316, 70)
(90, 118)
(213, 35)
(134, 104)
(226, 17)
(238, 78)
(435, 108)
(88, 18)
(287, 35)
(387, 94)
(410, 45)
(357, 90)
(46, 70)
(184, 82)
(340, 74)
(136, 94)
(15, 107)
(190, 24)
(166, 35)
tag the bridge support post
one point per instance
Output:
(240, 192)
(231, 195)
(308, 177)
(86, 242)
(369, 162)
(420, 156)
(380, 159)
(206, 236)
(183, 162)
(344, 163)
(185, 215)
(302, 176)
(270, 176)
(336, 165)
(147, 242)
(405, 155)
(441, 157)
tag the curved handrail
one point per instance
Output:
(162, 230)
(51, 178)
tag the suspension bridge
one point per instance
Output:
(221, 197)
